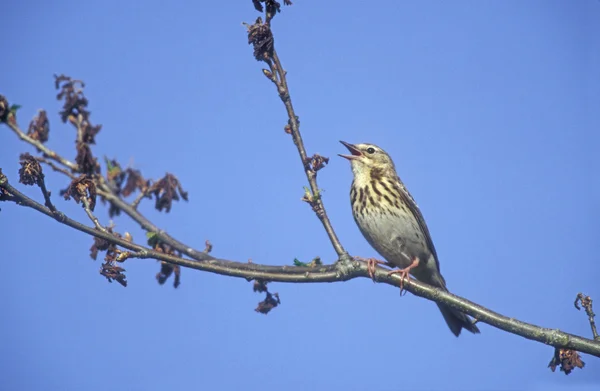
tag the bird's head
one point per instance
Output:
(369, 160)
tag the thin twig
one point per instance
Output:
(46, 193)
(106, 192)
(55, 167)
(109, 194)
(343, 270)
(41, 147)
(284, 94)
(586, 303)
(138, 199)
(88, 211)
(124, 255)
(78, 122)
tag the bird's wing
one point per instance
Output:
(414, 208)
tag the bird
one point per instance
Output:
(390, 220)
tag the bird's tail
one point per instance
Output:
(455, 319)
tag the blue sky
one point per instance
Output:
(489, 109)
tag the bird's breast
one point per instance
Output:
(395, 235)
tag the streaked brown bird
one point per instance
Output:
(390, 220)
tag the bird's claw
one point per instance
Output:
(371, 265)
(404, 274)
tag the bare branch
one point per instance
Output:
(310, 175)
(170, 251)
(108, 193)
(55, 167)
(146, 224)
(342, 270)
(260, 35)
(47, 152)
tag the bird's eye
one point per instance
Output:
(371, 150)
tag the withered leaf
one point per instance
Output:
(167, 190)
(39, 127)
(30, 172)
(80, 188)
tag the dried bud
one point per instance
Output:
(82, 188)
(586, 303)
(257, 5)
(166, 269)
(567, 359)
(39, 127)
(89, 132)
(4, 108)
(30, 172)
(134, 182)
(109, 268)
(261, 37)
(71, 92)
(270, 302)
(208, 246)
(316, 162)
(113, 272)
(273, 7)
(167, 190)
(85, 160)
(260, 286)
(99, 245)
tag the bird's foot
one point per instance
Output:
(404, 273)
(371, 265)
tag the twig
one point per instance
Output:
(55, 167)
(88, 211)
(208, 247)
(108, 193)
(46, 193)
(124, 255)
(343, 270)
(284, 94)
(146, 224)
(586, 303)
(261, 36)
(41, 147)
(78, 122)
(138, 199)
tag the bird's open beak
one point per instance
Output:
(353, 150)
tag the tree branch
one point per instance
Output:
(47, 152)
(342, 270)
(147, 225)
(260, 35)
(311, 175)
(108, 193)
